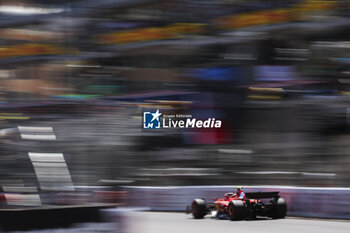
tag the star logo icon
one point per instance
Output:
(151, 120)
(155, 115)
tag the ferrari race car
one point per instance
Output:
(236, 208)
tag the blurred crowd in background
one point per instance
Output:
(75, 77)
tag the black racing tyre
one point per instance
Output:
(199, 208)
(279, 208)
(236, 210)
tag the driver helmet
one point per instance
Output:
(238, 188)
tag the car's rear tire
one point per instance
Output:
(279, 208)
(199, 208)
(236, 210)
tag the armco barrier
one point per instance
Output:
(301, 201)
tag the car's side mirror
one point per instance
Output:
(215, 198)
(227, 195)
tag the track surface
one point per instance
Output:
(154, 222)
(158, 222)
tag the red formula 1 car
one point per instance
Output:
(237, 208)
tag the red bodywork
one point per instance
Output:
(221, 204)
(241, 205)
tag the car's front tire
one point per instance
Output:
(236, 210)
(199, 208)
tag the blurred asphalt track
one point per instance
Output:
(161, 222)
(154, 222)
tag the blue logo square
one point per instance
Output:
(151, 120)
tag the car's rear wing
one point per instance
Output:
(259, 195)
